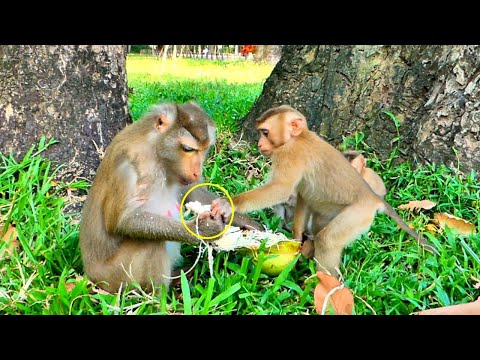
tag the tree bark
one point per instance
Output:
(268, 53)
(75, 94)
(434, 92)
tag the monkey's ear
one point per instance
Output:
(192, 102)
(162, 122)
(298, 125)
(350, 154)
(359, 163)
(162, 116)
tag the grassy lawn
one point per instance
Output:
(386, 270)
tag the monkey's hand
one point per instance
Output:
(220, 208)
(206, 226)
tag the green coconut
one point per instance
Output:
(277, 257)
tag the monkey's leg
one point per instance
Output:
(299, 218)
(347, 226)
(318, 222)
(135, 261)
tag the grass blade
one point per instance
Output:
(224, 295)
(187, 300)
(285, 272)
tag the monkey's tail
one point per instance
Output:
(421, 240)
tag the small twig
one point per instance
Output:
(327, 298)
(474, 278)
(100, 151)
(328, 272)
(367, 304)
(201, 250)
(210, 260)
(129, 273)
(73, 300)
(238, 142)
(323, 268)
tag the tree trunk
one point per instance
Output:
(75, 94)
(174, 53)
(268, 53)
(212, 52)
(432, 90)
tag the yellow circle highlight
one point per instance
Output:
(185, 224)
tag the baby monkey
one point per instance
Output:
(285, 211)
(359, 163)
(371, 177)
(341, 202)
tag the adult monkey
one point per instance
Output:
(343, 204)
(131, 228)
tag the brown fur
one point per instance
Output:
(342, 203)
(286, 210)
(130, 228)
(371, 177)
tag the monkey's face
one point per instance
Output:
(277, 131)
(183, 134)
(272, 135)
(190, 163)
(265, 145)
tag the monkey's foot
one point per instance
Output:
(307, 249)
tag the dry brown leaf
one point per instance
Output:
(341, 299)
(97, 289)
(10, 236)
(70, 286)
(463, 227)
(412, 205)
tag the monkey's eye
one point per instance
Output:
(264, 132)
(187, 148)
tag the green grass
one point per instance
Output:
(226, 90)
(386, 270)
(152, 69)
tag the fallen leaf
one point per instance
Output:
(70, 286)
(97, 289)
(431, 228)
(412, 205)
(53, 183)
(461, 226)
(341, 298)
(10, 237)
